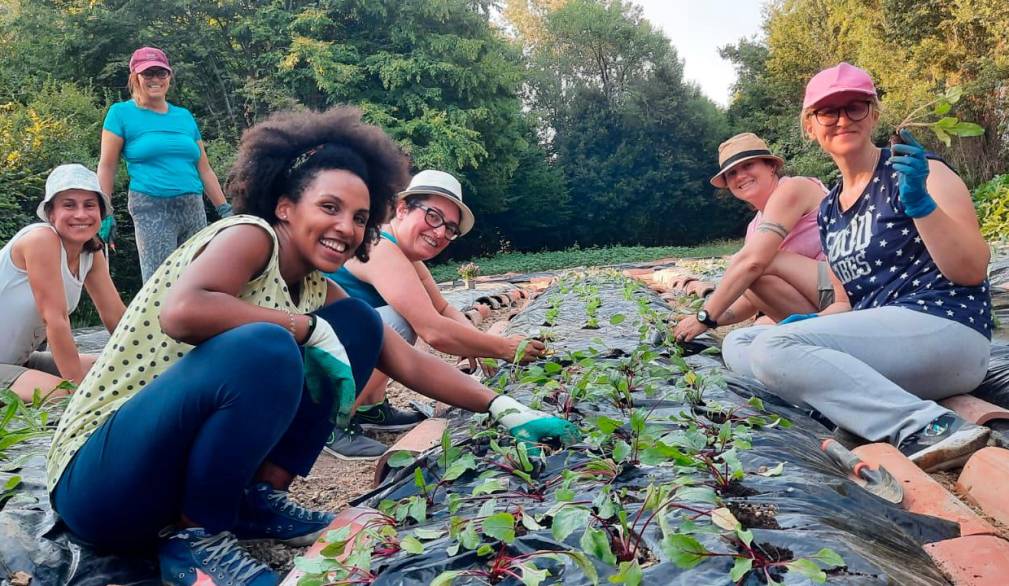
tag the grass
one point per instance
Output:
(531, 262)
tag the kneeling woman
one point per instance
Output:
(197, 417)
(912, 322)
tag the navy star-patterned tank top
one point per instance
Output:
(874, 249)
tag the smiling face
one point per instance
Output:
(414, 235)
(326, 225)
(152, 84)
(847, 136)
(752, 181)
(76, 214)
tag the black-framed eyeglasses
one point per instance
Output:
(155, 73)
(435, 219)
(854, 111)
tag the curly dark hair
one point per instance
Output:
(282, 155)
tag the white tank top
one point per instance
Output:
(21, 327)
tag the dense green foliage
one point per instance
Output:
(914, 50)
(532, 262)
(992, 202)
(441, 77)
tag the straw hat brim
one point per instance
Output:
(719, 179)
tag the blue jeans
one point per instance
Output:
(192, 440)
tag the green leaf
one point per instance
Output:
(400, 459)
(597, 543)
(606, 425)
(531, 575)
(954, 94)
(724, 518)
(530, 523)
(967, 129)
(942, 107)
(446, 578)
(828, 558)
(489, 486)
(565, 495)
(740, 568)
(629, 574)
(775, 471)
(485, 550)
(552, 368)
(520, 350)
(683, 550)
(500, 526)
(418, 479)
(12, 483)
(417, 509)
(334, 550)
(411, 545)
(621, 450)
(808, 569)
(460, 466)
(425, 534)
(697, 494)
(470, 538)
(744, 535)
(617, 319)
(756, 403)
(941, 135)
(567, 520)
(311, 580)
(946, 123)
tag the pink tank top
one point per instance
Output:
(804, 238)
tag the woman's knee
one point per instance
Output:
(770, 358)
(259, 352)
(360, 330)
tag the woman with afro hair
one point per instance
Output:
(232, 364)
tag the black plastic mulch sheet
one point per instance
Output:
(809, 506)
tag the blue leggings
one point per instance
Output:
(193, 439)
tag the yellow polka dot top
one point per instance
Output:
(139, 351)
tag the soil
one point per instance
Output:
(332, 482)
(948, 481)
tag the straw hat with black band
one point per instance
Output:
(737, 149)
(445, 186)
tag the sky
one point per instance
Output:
(697, 28)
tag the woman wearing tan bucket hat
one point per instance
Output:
(780, 269)
(429, 214)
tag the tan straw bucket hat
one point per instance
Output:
(737, 149)
(445, 186)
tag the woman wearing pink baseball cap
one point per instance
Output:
(165, 158)
(911, 324)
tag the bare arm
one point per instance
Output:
(108, 162)
(787, 204)
(951, 233)
(211, 184)
(103, 293)
(204, 302)
(40, 252)
(397, 281)
(441, 305)
(430, 376)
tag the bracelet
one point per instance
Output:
(290, 326)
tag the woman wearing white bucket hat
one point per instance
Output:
(42, 271)
(429, 214)
(780, 269)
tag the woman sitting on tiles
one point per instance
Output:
(912, 320)
(780, 269)
(428, 216)
(230, 366)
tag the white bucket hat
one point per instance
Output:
(72, 176)
(443, 185)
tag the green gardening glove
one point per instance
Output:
(327, 370)
(530, 425)
(107, 231)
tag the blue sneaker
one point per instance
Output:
(191, 557)
(267, 513)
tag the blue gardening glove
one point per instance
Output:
(107, 231)
(797, 317)
(530, 425)
(224, 210)
(327, 370)
(912, 165)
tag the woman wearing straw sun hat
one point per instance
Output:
(429, 215)
(166, 160)
(780, 269)
(43, 269)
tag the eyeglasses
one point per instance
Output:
(155, 72)
(435, 219)
(854, 111)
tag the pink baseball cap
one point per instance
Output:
(842, 77)
(146, 57)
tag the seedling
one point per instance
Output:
(943, 125)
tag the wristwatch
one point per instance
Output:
(705, 318)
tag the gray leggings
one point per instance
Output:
(162, 224)
(874, 372)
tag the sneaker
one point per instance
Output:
(350, 443)
(191, 556)
(385, 417)
(267, 513)
(944, 443)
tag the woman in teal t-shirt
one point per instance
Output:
(165, 158)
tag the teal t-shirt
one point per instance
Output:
(161, 150)
(357, 288)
